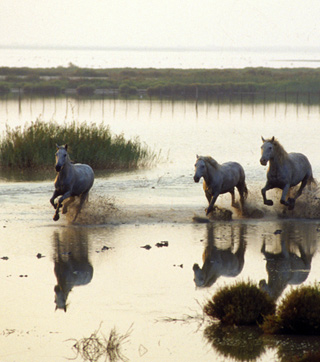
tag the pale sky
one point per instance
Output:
(161, 23)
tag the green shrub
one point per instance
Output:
(298, 313)
(241, 304)
(34, 146)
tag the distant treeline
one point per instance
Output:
(159, 83)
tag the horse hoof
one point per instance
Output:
(56, 217)
(268, 202)
(291, 203)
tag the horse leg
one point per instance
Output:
(211, 204)
(283, 200)
(267, 187)
(55, 194)
(66, 204)
(83, 198)
(242, 189)
(208, 195)
(233, 199)
(291, 201)
(59, 205)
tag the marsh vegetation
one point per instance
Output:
(33, 146)
(160, 83)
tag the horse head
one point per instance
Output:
(61, 156)
(200, 169)
(266, 150)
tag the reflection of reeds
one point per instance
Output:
(95, 346)
(197, 318)
(34, 146)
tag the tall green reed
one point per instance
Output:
(33, 146)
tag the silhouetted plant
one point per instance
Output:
(240, 304)
(308, 357)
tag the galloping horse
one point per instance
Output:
(220, 179)
(285, 170)
(71, 180)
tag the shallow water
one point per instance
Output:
(110, 279)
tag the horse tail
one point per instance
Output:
(245, 190)
(312, 180)
(243, 186)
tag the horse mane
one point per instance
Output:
(282, 154)
(211, 161)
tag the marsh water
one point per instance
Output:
(61, 281)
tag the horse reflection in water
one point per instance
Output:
(71, 264)
(290, 266)
(219, 262)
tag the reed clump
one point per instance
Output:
(240, 304)
(98, 345)
(298, 313)
(33, 146)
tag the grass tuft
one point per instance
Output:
(298, 313)
(240, 304)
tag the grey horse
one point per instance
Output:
(285, 171)
(220, 179)
(71, 180)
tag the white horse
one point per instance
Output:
(220, 179)
(285, 171)
(71, 180)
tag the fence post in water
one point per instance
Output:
(252, 102)
(67, 104)
(103, 92)
(19, 100)
(197, 96)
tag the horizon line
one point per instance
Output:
(160, 48)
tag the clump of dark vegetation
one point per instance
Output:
(298, 313)
(307, 357)
(96, 346)
(241, 304)
(34, 147)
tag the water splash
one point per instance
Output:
(98, 210)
